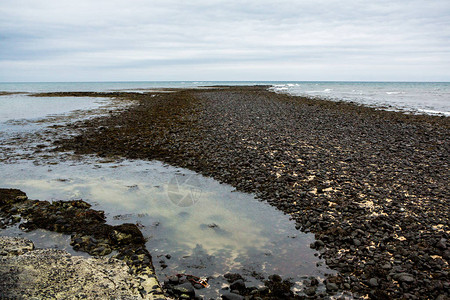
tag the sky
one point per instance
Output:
(165, 40)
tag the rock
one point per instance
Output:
(231, 296)
(10, 196)
(184, 288)
(128, 234)
(356, 242)
(231, 277)
(173, 279)
(442, 244)
(403, 277)
(310, 291)
(45, 273)
(386, 266)
(332, 287)
(373, 282)
(14, 246)
(314, 282)
(238, 285)
(275, 278)
(406, 278)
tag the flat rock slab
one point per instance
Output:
(14, 246)
(55, 274)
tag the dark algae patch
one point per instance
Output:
(88, 229)
(371, 185)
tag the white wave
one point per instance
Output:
(435, 112)
(395, 93)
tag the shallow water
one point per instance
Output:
(22, 106)
(43, 239)
(214, 230)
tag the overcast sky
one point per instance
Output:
(127, 40)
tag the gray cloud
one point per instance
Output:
(224, 40)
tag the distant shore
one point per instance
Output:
(371, 184)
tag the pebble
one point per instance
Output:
(373, 282)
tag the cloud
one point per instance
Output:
(224, 40)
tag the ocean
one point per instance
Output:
(410, 97)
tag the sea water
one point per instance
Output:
(409, 97)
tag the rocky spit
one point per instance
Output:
(372, 185)
(27, 273)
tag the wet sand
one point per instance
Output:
(372, 185)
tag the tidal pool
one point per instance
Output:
(194, 225)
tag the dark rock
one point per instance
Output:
(184, 288)
(238, 285)
(332, 287)
(231, 277)
(314, 282)
(406, 278)
(356, 242)
(263, 290)
(275, 278)
(373, 282)
(310, 291)
(442, 244)
(231, 296)
(173, 279)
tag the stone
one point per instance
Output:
(403, 277)
(373, 282)
(231, 296)
(238, 285)
(386, 266)
(263, 290)
(14, 246)
(314, 282)
(184, 288)
(231, 277)
(275, 278)
(332, 287)
(442, 244)
(356, 242)
(173, 279)
(310, 291)
(45, 273)
(406, 278)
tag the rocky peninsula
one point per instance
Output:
(372, 185)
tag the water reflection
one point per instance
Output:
(221, 231)
(43, 239)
